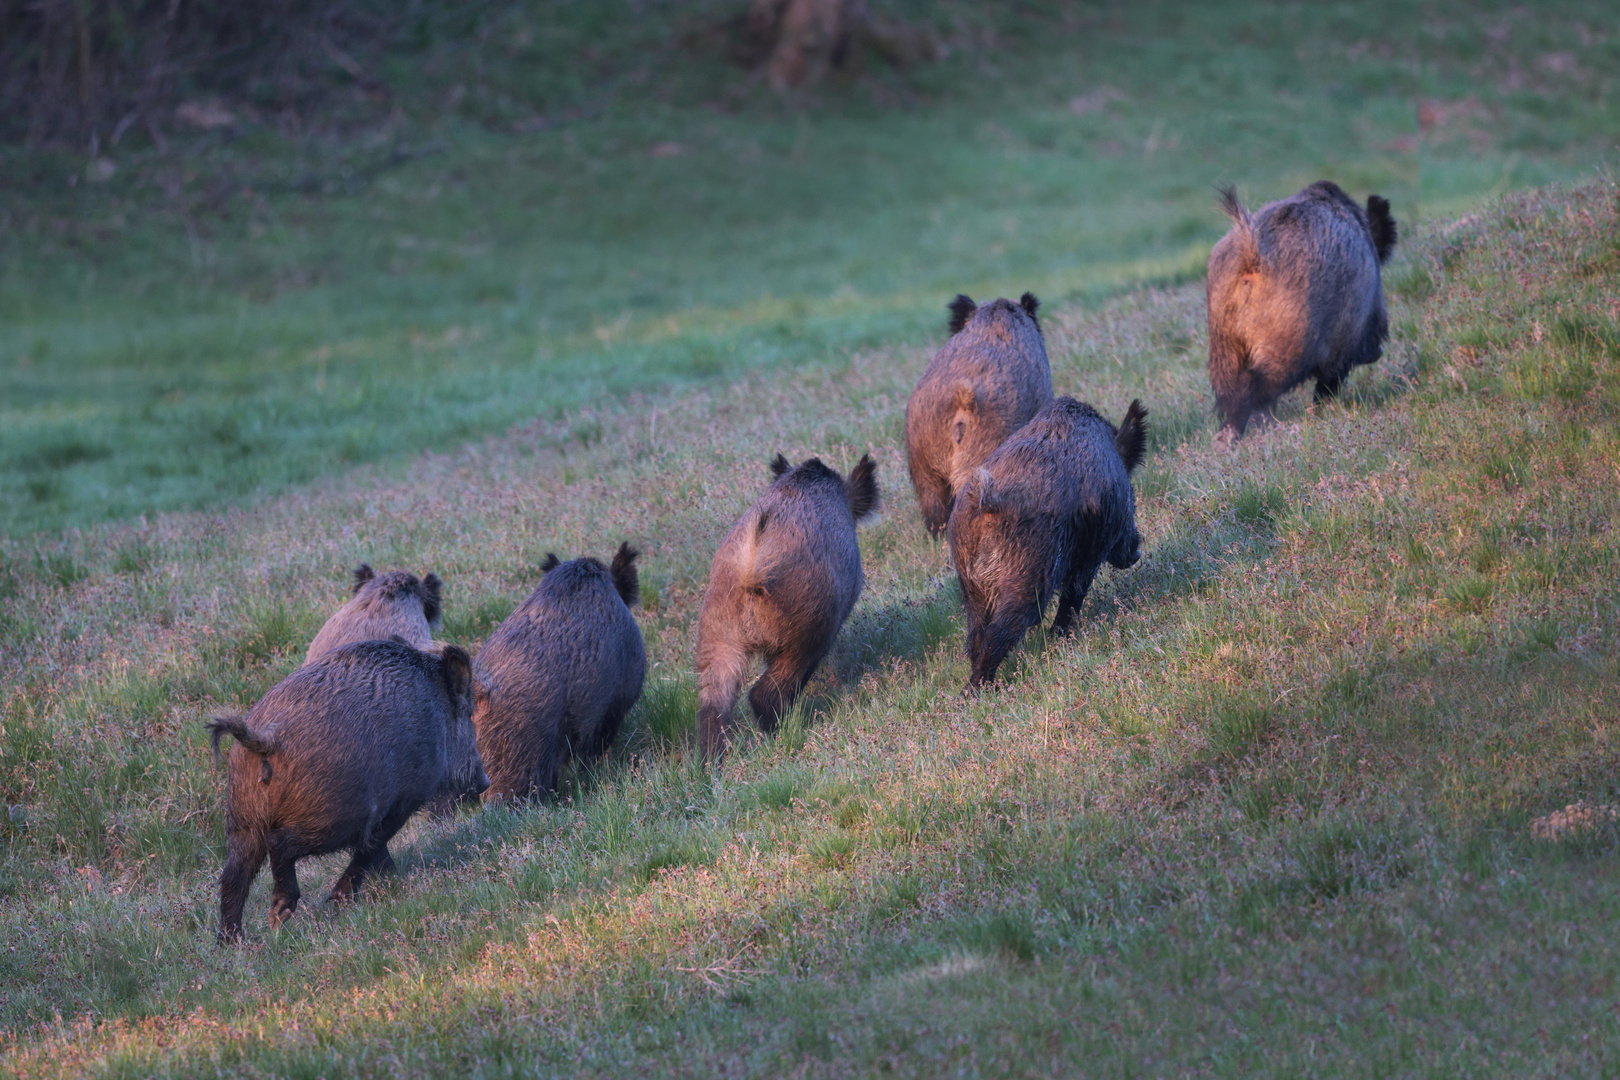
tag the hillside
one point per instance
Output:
(1269, 812)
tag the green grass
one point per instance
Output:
(238, 315)
(1266, 813)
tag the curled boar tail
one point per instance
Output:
(362, 574)
(862, 489)
(1382, 226)
(625, 578)
(1131, 438)
(961, 309)
(236, 727)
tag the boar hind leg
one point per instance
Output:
(719, 683)
(991, 646)
(1070, 597)
(284, 870)
(785, 675)
(245, 854)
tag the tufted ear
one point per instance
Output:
(862, 489)
(456, 670)
(1030, 306)
(432, 597)
(961, 309)
(625, 578)
(551, 563)
(779, 465)
(362, 574)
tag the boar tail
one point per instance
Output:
(862, 489)
(625, 578)
(1131, 439)
(1031, 305)
(961, 309)
(432, 597)
(362, 574)
(235, 726)
(1382, 226)
(1242, 225)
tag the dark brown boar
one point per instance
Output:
(980, 387)
(337, 756)
(558, 676)
(1294, 293)
(1040, 516)
(383, 606)
(783, 582)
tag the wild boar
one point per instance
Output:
(1294, 292)
(980, 387)
(1041, 515)
(556, 679)
(381, 607)
(784, 580)
(337, 756)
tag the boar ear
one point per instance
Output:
(779, 465)
(862, 489)
(432, 593)
(1131, 439)
(551, 563)
(362, 574)
(1382, 226)
(455, 667)
(625, 578)
(1030, 306)
(961, 309)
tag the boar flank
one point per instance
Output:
(556, 679)
(784, 580)
(1294, 293)
(1040, 516)
(382, 606)
(980, 387)
(337, 756)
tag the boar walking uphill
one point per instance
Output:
(785, 578)
(556, 679)
(983, 385)
(1041, 516)
(1294, 293)
(336, 757)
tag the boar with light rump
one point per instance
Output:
(336, 757)
(980, 387)
(1294, 293)
(557, 677)
(785, 578)
(382, 606)
(1042, 515)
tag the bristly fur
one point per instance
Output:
(863, 489)
(432, 597)
(1031, 305)
(1132, 437)
(961, 309)
(780, 465)
(362, 574)
(625, 578)
(551, 563)
(234, 725)
(1382, 225)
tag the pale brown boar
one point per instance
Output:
(1294, 292)
(980, 387)
(557, 677)
(337, 756)
(382, 606)
(785, 578)
(1041, 516)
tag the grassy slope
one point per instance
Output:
(233, 317)
(1265, 814)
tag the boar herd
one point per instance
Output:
(1031, 491)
